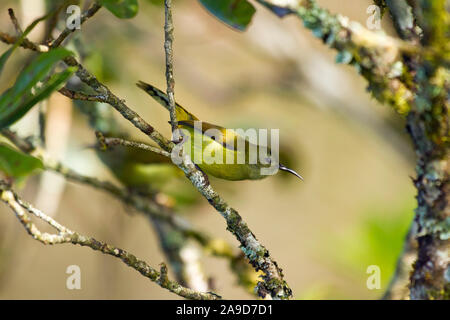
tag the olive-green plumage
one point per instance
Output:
(221, 152)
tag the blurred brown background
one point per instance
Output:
(352, 211)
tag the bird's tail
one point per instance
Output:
(161, 97)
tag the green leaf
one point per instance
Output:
(36, 71)
(9, 117)
(17, 100)
(17, 164)
(8, 52)
(123, 9)
(235, 13)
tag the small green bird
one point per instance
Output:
(226, 156)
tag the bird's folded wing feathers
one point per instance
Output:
(227, 137)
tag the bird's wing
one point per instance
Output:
(227, 137)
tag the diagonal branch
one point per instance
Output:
(377, 57)
(66, 235)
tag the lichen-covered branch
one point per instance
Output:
(404, 21)
(65, 235)
(377, 57)
(415, 80)
(428, 124)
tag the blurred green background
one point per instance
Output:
(352, 211)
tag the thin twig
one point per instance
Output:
(168, 41)
(15, 22)
(74, 95)
(106, 142)
(67, 31)
(27, 44)
(65, 235)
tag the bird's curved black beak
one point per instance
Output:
(281, 167)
